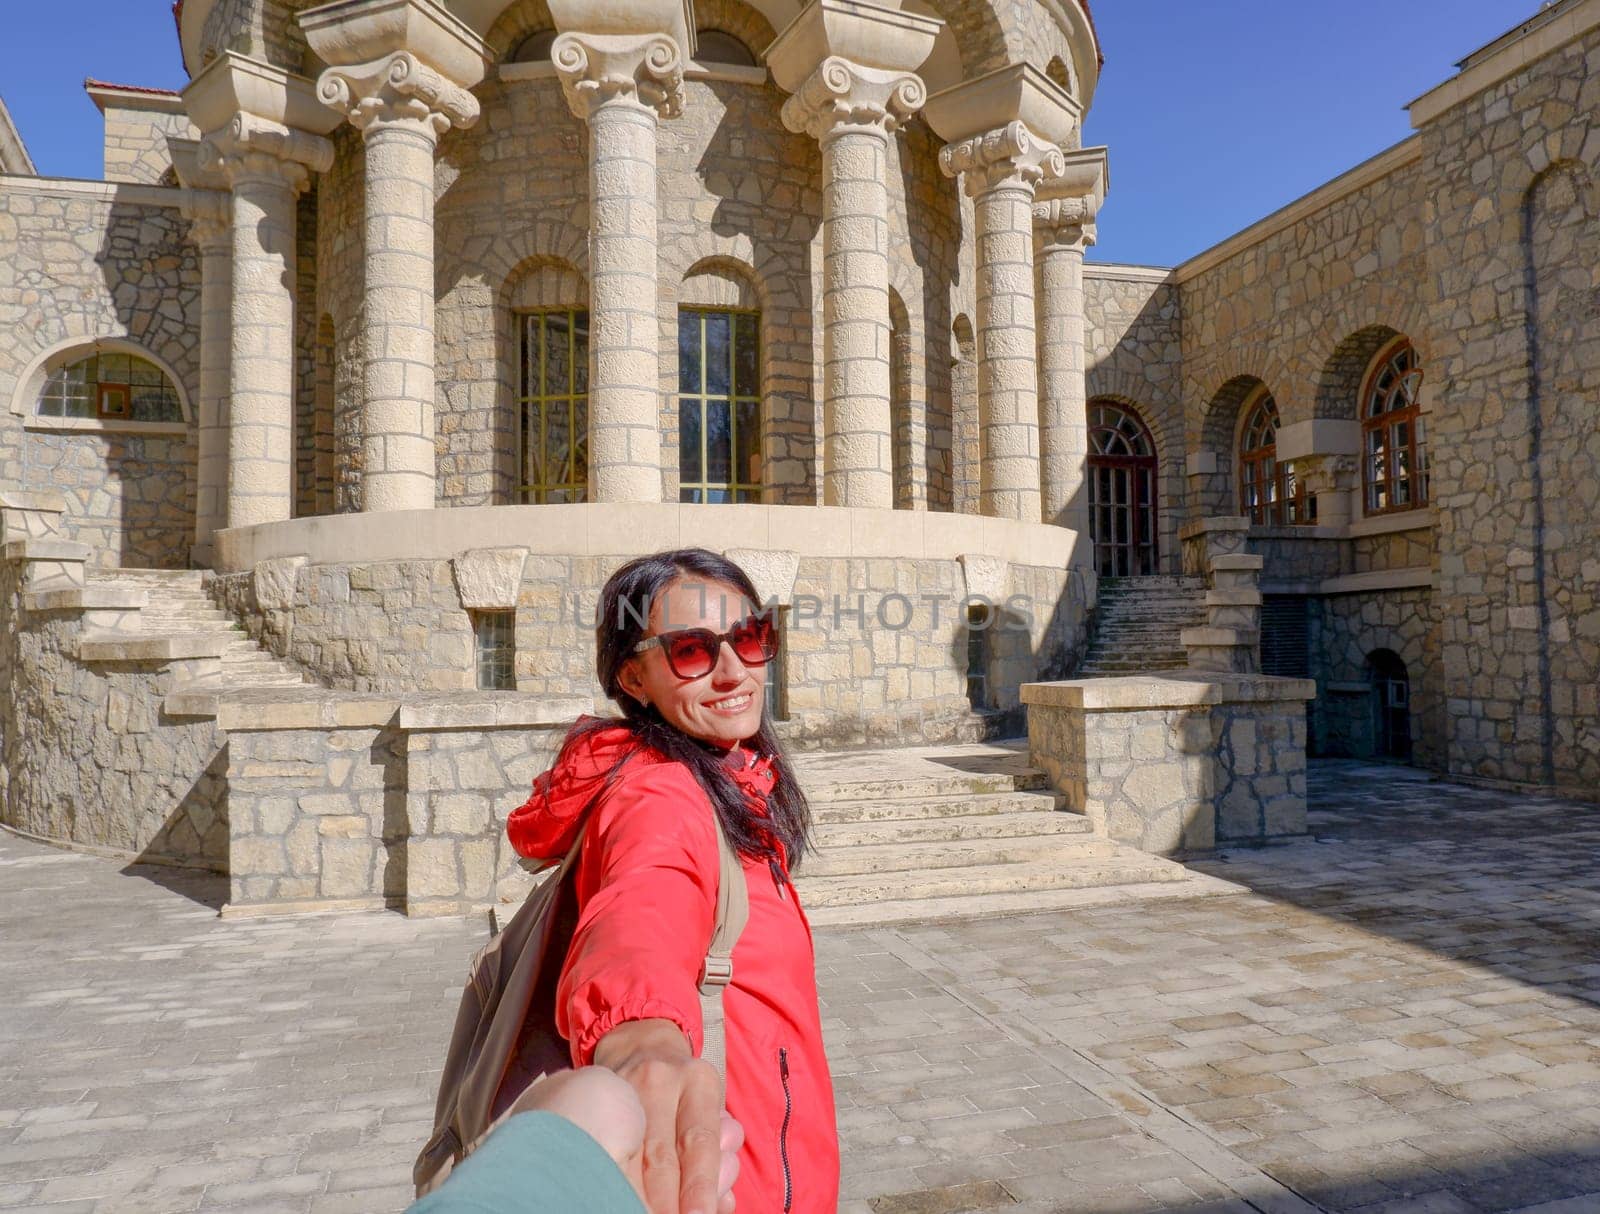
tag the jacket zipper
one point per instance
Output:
(783, 1134)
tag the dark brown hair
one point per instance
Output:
(622, 618)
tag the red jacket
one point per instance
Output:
(647, 892)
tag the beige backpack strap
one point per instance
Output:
(733, 911)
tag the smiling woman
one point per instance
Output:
(682, 647)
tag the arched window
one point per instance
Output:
(1122, 491)
(1395, 470)
(1269, 492)
(719, 405)
(553, 399)
(534, 48)
(719, 46)
(110, 386)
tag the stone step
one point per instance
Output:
(979, 906)
(857, 889)
(955, 828)
(882, 859)
(898, 788)
(901, 809)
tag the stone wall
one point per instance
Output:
(85, 262)
(137, 129)
(400, 626)
(1512, 180)
(345, 800)
(1178, 763)
(1133, 331)
(89, 757)
(1345, 629)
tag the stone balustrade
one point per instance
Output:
(1177, 764)
(344, 800)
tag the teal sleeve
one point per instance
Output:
(535, 1163)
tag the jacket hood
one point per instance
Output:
(546, 824)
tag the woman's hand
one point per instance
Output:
(684, 1132)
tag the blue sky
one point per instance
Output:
(1217, 112)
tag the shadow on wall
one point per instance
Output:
(779, 254)
(996, 650)
(189, 853)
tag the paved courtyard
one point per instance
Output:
(1400, 1018)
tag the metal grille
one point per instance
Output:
(1285, 637)
(554, 399)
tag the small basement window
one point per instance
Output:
(495, 634)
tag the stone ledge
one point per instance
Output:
(86, 598)
(1378, 579)
(1398, 521)
(491, 709)
(173, 647)
(263, 709)
(47, 550)
(1175, 689)
(1204, 635)
(1236, 562)
(1201, 526)
(48, 501)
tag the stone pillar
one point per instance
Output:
(212, 231)
(1063, 228)
(401, 106)
(620, 84)
(1332, 480)
(267, 166)
(1001, 168)
(851, 110)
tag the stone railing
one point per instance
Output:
(1230, 639)
(89, 756)
(342, 800)
(1180, 763)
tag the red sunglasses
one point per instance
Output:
(691, 653)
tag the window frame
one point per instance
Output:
(1383, 422)
(576, 404)
(494, 658)
(31, 385)
(1287, 504)
(740, 492)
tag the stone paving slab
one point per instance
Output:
(1401, 1019)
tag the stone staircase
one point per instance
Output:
(960, 831)
(1137, 624)
(178, 607)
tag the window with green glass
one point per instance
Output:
(554, 398)
(719, 406)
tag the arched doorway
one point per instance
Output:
(1122, 491)
(1391, 705)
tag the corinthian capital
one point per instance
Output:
(840, 95)
(1010, 155)
(1065, 222)
(254, 147)
(397, 90)
(597, 69)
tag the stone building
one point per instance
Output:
(408, 320)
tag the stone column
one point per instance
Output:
(1001, 168)
(267, 166)
(621, 84)
(1063, 228)
(851, 110)
(401, 106)
(211, 228)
